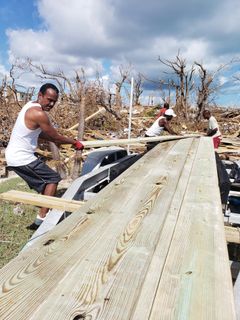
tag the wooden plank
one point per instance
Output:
(231, 141)
(146, 207)
(41, 200)
(237, 296)
(95, 264)
(66, 239)
(72, 192)
(100, 111)
(148, 292)
(114, 142)
(196, 271)
(232, 234)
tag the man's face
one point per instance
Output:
(169, 118)
(48, 99)
(206, 115)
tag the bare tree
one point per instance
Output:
(184, 82)
(82, 91)
(14, 88)
(105, 98)
(138, 88)
(208, 85)
(204, 90)
(124, 72)
(161, 85)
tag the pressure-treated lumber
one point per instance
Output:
(232, 234)
(41, 200)
(237, 296)
(194, 271)
(231, 141)
(115, 142)
(151, 245)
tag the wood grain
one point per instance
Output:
(135, 251)
(196, 271)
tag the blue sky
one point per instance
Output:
(102, 35)
(16, 14)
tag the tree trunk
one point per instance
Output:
(56, 157)
(118, 101)
(78, 155)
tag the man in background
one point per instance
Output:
(163, 109)
(160, 125)
(32, 123)
(213, 128)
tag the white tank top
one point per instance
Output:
(155, 130)
(23, 141)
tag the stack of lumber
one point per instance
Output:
(231, 142)
(150, 245)
(231, 147)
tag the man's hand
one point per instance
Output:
(78, 145)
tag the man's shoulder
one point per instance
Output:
(162, 120)
(33, 107)
(35, 112)
(212, 118)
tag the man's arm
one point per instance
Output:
(211, 132)
(49, 132)
(44, 136)
(164, 123)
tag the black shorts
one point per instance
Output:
(37, 175)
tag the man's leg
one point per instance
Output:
(42, 179)
(49, 190)
(45, 182)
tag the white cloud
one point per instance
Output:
(38, 46)
(75, 30)
(84, 34)
(28, 43)
(77, 24)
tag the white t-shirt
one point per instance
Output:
(212, 124)
(155, 130)
(23, 141)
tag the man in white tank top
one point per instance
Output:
(160, 125)
(32, 123)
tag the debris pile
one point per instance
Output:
(100, 124)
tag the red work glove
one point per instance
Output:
(78, 145)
